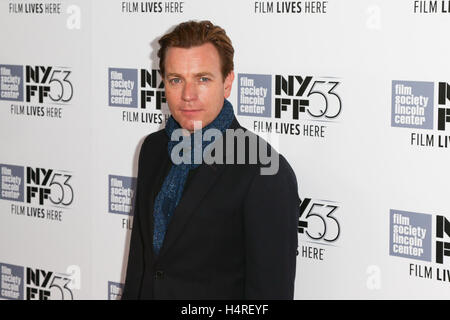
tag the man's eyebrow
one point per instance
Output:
(199, 74)
(202, 74)
(173, 74)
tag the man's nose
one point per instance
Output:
(189, 91)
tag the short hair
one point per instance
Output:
(192, 34)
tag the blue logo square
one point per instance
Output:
(11, 82)
(410, 235)
(254, 95)
(122, 87)
(412, 104)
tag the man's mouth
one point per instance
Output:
(190, 111)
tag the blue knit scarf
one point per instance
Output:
(172, 189)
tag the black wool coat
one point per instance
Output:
(232, 236)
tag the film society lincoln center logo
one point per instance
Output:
(422, 105)
(412, 104)
(410, 235)
(424, 237)
(254, 94)
(121, 193)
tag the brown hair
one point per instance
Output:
(191, 34)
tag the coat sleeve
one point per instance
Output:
(271, 216)
(135, 267)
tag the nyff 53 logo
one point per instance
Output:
(48, 84)
(295, 97)
(307, 96)
(49, 185)
(45, 285)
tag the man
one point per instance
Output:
(202, 230)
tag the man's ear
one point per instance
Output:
(228, 84)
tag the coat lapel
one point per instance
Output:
(154, 183)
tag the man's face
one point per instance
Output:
(195, 88)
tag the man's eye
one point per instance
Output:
(175, 80)
(204, 79)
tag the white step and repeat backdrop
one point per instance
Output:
(355, 94)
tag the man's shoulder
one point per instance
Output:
(262, 157)
(153, 147)
(155, 139)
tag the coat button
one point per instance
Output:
(159, 275)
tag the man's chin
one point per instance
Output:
(192, 125)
